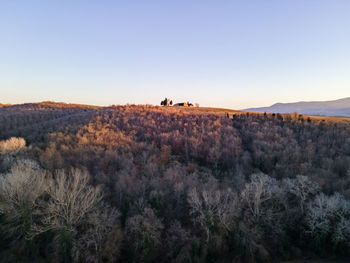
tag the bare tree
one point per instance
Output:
(301, 187)
(212, 209)
(20, 193)
(72, 203)
(71, 199)
(328, 219)
(102, 240)
(261, 189)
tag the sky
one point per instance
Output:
(232, 54)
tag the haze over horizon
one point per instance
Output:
(232, 54)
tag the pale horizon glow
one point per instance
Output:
(227, 54)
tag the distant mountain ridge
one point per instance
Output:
(339, 107)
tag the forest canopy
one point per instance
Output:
(159, 184)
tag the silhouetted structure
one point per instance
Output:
(184, 104)
(166, 102)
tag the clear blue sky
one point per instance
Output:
(232, 54)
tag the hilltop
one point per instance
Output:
(47, 106)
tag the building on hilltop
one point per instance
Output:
(184, 104)
(168, 102)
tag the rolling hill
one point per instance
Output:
(161, 171)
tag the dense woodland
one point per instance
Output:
(164, 184)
